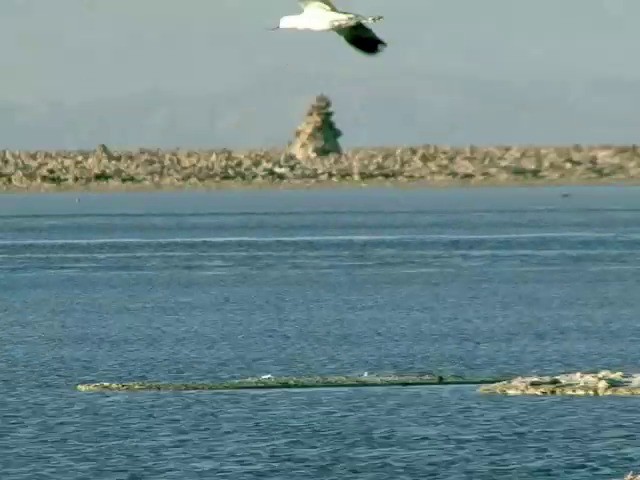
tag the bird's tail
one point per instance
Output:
(375, 19)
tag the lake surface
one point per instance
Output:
(204, 286)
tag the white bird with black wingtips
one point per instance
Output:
(323, 16)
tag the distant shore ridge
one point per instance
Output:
(426, 164)
(315, 156)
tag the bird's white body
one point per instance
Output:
(322, 16)
(316, 20)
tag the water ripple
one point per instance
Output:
(493, 283)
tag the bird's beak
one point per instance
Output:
(274, 28)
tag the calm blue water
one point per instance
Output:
(203, 286)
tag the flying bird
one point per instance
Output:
(323, 16)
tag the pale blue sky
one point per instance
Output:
(207, 73)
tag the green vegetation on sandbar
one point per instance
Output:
(602, 383)
(269, 382)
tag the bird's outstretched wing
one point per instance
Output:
(362, 38)
(319, 4)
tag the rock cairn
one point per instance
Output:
(318, 135)
(601, 383)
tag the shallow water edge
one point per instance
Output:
(398, 184)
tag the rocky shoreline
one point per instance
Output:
(603, 383)
(427, 165)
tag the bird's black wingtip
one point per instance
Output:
(372, 50)
(362, 38)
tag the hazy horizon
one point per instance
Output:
(202, 74)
